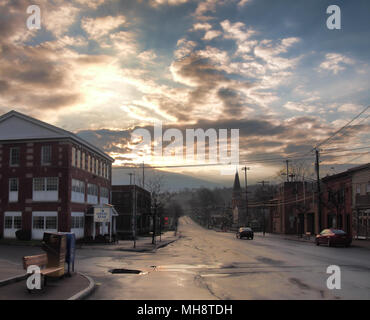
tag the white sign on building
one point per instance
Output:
(102, 214)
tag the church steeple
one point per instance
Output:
(236, 186)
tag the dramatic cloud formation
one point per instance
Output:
(105, 67)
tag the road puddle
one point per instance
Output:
(121, 271)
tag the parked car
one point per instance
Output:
(245, 232)
(333, 237)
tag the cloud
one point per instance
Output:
(201, 26)
(92, 4)
(300, 107)
(184, 48)
(350, 108)
(243, 2)
(101, 26)
(58, 19)
(335, 63)
(211, 34)
(157, 3)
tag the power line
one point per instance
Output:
(343, 150)
(355, 158)
(271, 160)
(342, 128)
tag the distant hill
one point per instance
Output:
(171, 181)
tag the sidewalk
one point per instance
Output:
(365, 244)
(13, 278)
(59, 289)
(143, 244)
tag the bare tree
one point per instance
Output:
(155, 185)
(299, 170)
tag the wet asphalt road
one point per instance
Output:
(204, 264)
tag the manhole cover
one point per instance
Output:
(124, 271)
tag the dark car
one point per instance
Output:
(333, 237)
(245, 233)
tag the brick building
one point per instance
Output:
(345, 204)
(49, 179)
(123, 200)
(361, 201)
(337, 201)
(294, 209)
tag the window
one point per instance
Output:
(14, 156)
(13, 189)
(77, 222)
(8, 223)
(92, 189)
(368, 187)
(52, 184)
(38, 222)
(78, 158)
(51, 222)
(78, 186)
(78, 191)
(45, 155)
(83, 161)
(104, 192)
(17, 222)
(358, 189)
(73, 156)
(45, 184)
(38, 184)
(92, 193)
(13, 184)
(45, 189)
(89, 163)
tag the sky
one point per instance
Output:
(272, 69)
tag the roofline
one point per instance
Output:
(360, 167)
(53, 128)
(348, 172)
(127, 186)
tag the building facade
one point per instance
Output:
(345, 204)
(49, 179)
(361, 201)
(294, 208)
(123, 200)
(337, 201)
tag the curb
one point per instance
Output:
(307, 241)
(85, 292)
(13, 279)
(152, 249)
(162, 245)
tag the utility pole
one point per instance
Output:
(130, 174)
(287, 170)
(143, 177)
(246, 195)
(134, 212)
(154, 220)
(263, 208)
(318, 188)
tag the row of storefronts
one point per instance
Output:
(345, 204)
